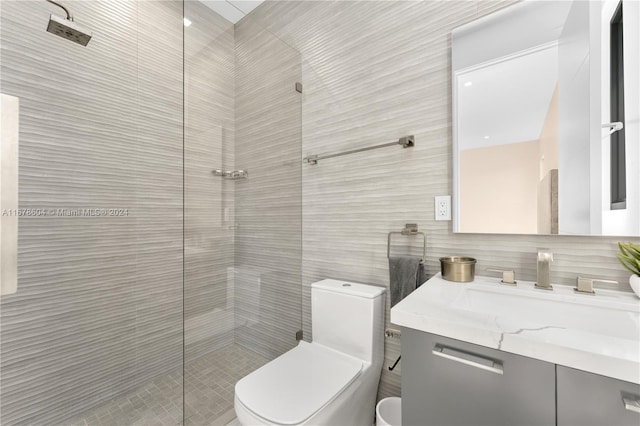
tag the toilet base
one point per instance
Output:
(355, 405)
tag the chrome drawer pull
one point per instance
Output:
(631, 404)
(477, 361)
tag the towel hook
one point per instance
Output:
(409, 229)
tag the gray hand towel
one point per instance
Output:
(406, 273)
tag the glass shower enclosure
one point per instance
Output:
(243, 206)
(150, 197)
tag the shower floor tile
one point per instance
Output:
(210, 382)
(208, 391)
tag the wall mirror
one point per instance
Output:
(546, 119)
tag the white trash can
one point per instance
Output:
(389, 412)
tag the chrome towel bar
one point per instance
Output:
(405, 142)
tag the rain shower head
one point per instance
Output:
(66, 28)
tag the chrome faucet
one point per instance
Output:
(545, 257)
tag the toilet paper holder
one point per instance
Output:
(393, 333)
(391, 367)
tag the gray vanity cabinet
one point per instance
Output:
(587, 399)
(450, 382)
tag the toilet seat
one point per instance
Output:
(296, 385)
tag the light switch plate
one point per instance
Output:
(443, 207)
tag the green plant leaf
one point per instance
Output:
(633, 250)
(623, 248)
(629, 257)
(630, 264)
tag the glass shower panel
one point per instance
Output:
(209, 207)
(268, 249)
(92, 330)
(243, 256)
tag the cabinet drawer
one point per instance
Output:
(449, 382)
(586, 399)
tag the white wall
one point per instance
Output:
(9, 124)
(535, 23)
(627, 221)
(499, 196)
(574, 123)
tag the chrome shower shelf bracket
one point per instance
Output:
(231, 174)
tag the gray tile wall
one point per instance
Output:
(209, 136)
(98, 309)
(372, 72)
(268, 239)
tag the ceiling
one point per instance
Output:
(232, 10)
(506, 102)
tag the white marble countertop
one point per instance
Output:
(599, 334)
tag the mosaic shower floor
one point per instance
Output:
(208, 390)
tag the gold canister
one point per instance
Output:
(457, 268)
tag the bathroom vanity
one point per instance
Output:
(485, 353)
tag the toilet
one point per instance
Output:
(330, 381)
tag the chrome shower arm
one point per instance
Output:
(69, 16)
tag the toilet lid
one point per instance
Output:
(294, 386)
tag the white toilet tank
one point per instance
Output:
(349, 318)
